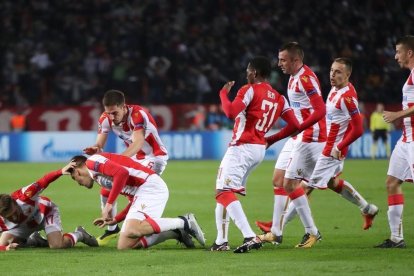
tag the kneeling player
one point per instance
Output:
(143, 226)
(25, 212)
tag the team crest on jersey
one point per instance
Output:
(143, 206)
(299, 172)
(348, 99)
(28, 193)
(227, 181)
(271, 95)
(305, 78)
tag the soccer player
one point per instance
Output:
(300, 153)
(255, 109)
(401, 166)
(344, 125)
(25, 212)
(122, 175)
(138, 129)
(379, 129)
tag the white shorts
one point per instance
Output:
(149, 200)
(51, 223)
(326, 168)
(303, 160)
(157, 164)
(237, 164)
(402, 161)
(284, 156)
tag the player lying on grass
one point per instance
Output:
(143, 226)
(25, 212)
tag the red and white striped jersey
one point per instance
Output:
(34, 207)
(341, 105)
(301, 86)
(407, 102)
(264, 105)
(117, 173)
(137, 118)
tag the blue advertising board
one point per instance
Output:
(186, 145)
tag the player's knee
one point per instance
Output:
(134, 233)
(392, 185)
(278, 179)
(56, 245)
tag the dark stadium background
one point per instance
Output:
(63, 53)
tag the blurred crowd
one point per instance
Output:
(170, 51)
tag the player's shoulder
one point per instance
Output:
(244, 88)
(104, 116)
(350, 91)
(307, 74)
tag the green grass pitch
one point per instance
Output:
(345, 249)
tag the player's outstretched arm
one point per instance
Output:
(138, 138)
(99, 145)
(391, 116)
(291, 127)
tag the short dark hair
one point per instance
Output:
(80, 160)
(407, 41)
(346, 61)
(262, 66)
(5, 203)
(294, 49)
(113, 97)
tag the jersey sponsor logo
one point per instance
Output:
(310, 93)
(295, 104)
(139, 125)
(329, 116)
(105, 182)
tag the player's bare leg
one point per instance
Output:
(57, 240)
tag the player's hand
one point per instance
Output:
(92, 150)
(337, 154)
(101, 223)
(228, 85)
(106, 212)
(65, 169)
(12, 246)
(389, 116)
